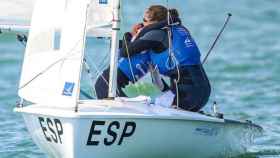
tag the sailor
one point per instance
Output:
(179, 60)
(134, 59)
(129, 69)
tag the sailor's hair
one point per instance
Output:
(174, 15)
(156, 13)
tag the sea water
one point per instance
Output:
(243, 69)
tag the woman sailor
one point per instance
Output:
(169, 47)
(133, 62)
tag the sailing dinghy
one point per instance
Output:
(64, 126)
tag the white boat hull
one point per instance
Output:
(155, 133)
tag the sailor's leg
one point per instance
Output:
(122, 82)
(101, 85)
(185, 99)
(194, 91)
(192, 98)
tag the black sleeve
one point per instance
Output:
(141, 45)
(126, 39)
(152, 41)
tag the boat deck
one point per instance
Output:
(116, 109)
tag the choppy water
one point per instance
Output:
(244, 70)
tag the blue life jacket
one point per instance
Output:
(136, 68)
(184, 48)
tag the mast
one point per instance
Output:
(114, 49)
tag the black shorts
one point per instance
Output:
(193, 87)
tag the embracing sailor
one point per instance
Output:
(168, 46)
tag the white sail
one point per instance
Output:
(52, 62)
(54, 53)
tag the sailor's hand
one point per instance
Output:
(157, 79)
(136, 29)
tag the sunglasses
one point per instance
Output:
(144, 20)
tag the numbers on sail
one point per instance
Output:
(114, 133)
(52, 129)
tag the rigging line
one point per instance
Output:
(90, 76)
(95, 65)
(171, 53)
(170, 48)
(130, 66)
(99, 73)
(217, 38)
(88, 96)
(102, 64)
(82, 58)
(53, 64)
(129, 61)
(84, 36)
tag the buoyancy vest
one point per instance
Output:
(184, 52)
(139, 62)
(134, 67)
(184, 49)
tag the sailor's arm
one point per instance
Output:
(157, 79)
(154, 40)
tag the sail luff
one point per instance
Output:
(82, 58)
(114, 49)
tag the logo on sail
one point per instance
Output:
(103, 1)
(68, 88)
